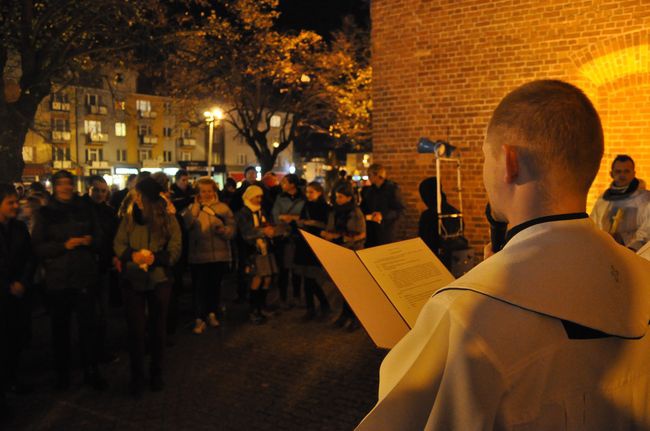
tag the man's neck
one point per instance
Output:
(527, 213)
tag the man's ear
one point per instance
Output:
(512, 163)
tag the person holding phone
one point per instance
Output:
(211, 225)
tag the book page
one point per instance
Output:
(373, 308)
(408, 272)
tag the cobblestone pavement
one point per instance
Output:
(284, 375)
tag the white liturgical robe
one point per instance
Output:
(547, 334)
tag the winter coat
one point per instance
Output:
(355, 224)
(205, 243)
(134, 236)
(16, 257)
(387, 200)
(317, 214)
(54, 224)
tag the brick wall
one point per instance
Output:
(441, 66)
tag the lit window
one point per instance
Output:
(143, 105)
(276, 121)
(120, 129)
(92, 126)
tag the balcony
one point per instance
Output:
(186, 142)
(60, 136)
(60, 106)
(148, 140)
(97, 109)
(61, 164)
(97, 164)
(147, 114)
(97, 138)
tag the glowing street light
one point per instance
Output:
(213, 115)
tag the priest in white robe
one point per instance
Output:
(551, 332)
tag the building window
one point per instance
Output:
(143, 105)
(120, 129)
(167, 132)
(60, 124)
(60, 97)
(167, 107)
(276, 121)
(145, 155)
(186, 133)
(144, 130)
(94, 155)
(92, 99)
(92, 126)
(167, 156)
(186, 157)
(121, 155)
(120, 105)
(242, 159)
(61, 154)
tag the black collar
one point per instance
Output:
(557, 217)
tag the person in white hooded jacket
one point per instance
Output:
(549, 333)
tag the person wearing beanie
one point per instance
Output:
(148, 243)
(67, 238)
(260, 265)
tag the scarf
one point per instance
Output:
(342, 214)
(614, 193)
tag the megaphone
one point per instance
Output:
(439, 148)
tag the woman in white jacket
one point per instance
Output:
(211, 225)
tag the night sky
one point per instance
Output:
(322, 16)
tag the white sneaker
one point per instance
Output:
(199, 326)
(212, 320)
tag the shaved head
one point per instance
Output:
(556, 130)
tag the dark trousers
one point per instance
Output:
(62, 304)
(286, 273)
(15, 332)
(313, 288)
(136, 305)
(206, 283)
(242, 277)
(102, 297)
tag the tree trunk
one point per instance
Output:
(12, 138)
(266, 161)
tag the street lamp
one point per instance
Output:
(213, 115)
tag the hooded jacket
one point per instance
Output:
(551, 333)
(205, 243)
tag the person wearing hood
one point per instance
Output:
(428, 224)
(550, 332)
(67, 238)
(148, 243)
(623, 210)
(211, 225)
(259, 265)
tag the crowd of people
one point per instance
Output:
(75, 251)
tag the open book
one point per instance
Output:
(386, 286)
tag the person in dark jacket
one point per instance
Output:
(16, 271)
(106, 216)
(287, 208)
(428, 223)
(259, 264)
(346, 226)
(67, 238)
(148, 242)
(313, 219)
(383, 206)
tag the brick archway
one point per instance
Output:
(616, 75)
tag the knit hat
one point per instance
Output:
(150, 189)
(251, 192)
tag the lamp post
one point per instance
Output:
(213, 115)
